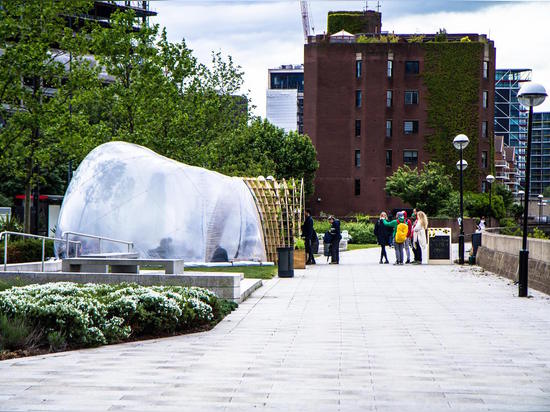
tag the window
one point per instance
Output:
(485, 70)
(412, 67)
(358, 128)
(484, 160)
(357, 187)
(484, 187)
(389, 98)
(410, 157)
(358, 98)
(484, 129)
(389, 160)
(485, 99)
(390, 68)
(411, 97)
(410, 126)
(388, 128)
(358, 158)
(358, 68)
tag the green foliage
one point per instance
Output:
(16, 334)
(249, 272)
(441, 36)
(465, 39)
(56, 341)
(475, 205)
(425, 189)
(505, 193)
(539, 234)
(5, 201)
(352, 22)
(451, 75)
(90, 315)
(27, 250)
(367, 39)
(10, 225)
(360, 232)
(546, 192)
(321, 226)
(299, 243)
(416, 38)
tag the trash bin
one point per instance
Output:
(476, 242)
(285, 258)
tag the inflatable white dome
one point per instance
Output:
(166, 208)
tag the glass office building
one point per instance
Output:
(540, 153)
(285, 97)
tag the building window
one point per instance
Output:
(358, 98)
(484, 132)
(358, 128)
(389, 98)
(358, 68)
(410, 126)
(411, 97)
(484, 160)
(390, 68)
(485, 70)
(485, 99)
(358, 158)
(388, 128)
(410, 157)
(484, 187)
(412, 67)
(357, 187)
(389, 160)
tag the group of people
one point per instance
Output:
(402, 234)
(332, 237)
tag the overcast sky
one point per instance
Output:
(266, 34)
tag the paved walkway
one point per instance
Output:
(355, 337)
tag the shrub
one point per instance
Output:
(90, 315)
(539, 234)
(16, 334)
(27, 250)
(360, 232)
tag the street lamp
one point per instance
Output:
(460, 142)
(490, 179)
(540, 207)
(529, 95)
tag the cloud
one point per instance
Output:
(262, 35)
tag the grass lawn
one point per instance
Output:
(6, 284)
(354, 246)
(256, 272)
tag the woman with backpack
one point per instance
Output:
(382, 235)
(400, 230)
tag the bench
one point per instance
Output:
(120, 265)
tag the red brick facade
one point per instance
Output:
(330, 115)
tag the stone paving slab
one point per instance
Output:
(357, 336)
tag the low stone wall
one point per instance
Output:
(500, 254)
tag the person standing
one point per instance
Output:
(400, 230)
(335, 242)
(419, 237)
(308, 233)
(382, 235)
(408, 240)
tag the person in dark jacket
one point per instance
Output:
(308, 232)
(383, 235)
(335, 243)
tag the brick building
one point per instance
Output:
(366, 109)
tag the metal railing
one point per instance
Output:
(6, 234)
(100, 239)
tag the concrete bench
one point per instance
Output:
(102, 265)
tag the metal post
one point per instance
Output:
(490, 202)
(5, 252)
(43, 252)
(461, 235)
(524, 252)
(99, 245)
(540, 211)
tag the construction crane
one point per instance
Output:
(305, 18)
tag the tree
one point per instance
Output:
(32, 91)
(475, 205)
(425, 189)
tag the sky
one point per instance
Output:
(263, 34)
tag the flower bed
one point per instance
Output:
(69, 314)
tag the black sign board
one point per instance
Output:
(440, 247)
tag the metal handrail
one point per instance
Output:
(99, 238)
(6, 234)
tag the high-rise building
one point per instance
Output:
(540, 153)
(285, 97)
(511, 117)
(374, 101)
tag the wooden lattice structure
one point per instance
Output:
(281, 209)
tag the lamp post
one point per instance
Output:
(521, 193)
(460, 142)
(540, 208)
(490, 179)
(529, 95)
